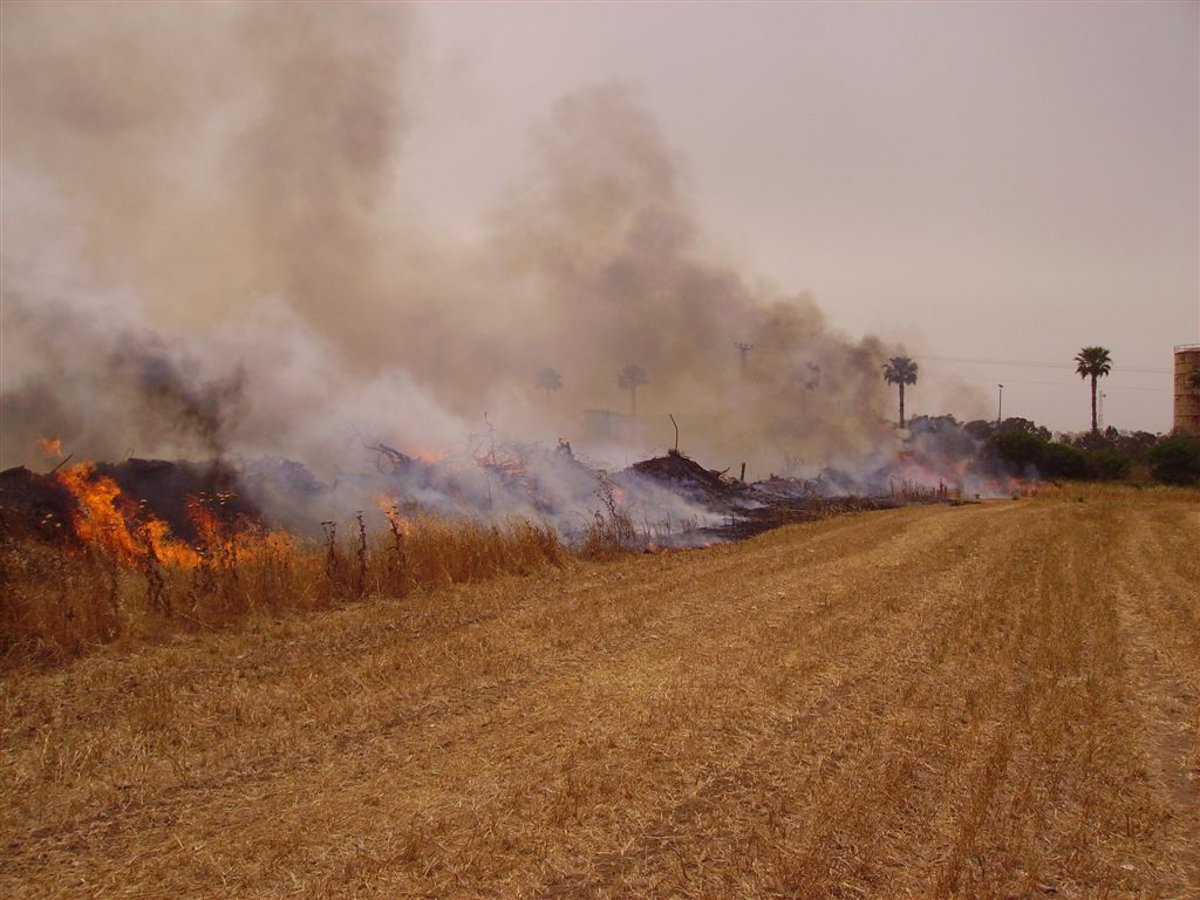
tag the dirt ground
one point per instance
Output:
(999, 699)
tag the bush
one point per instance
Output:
(980, 429)
(1020, 448)
(1016, 423)
(1061, 461)
(1176, 460)
(1109, 464)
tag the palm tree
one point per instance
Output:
(549, 380)
(900, 370)
(631, 378)
(1093, 362)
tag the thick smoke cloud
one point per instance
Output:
(205, 253)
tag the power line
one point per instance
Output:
(1145, 370)
(1073, 384)
(1108, 386)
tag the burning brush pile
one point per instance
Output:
(139, 509)
(92, 552)
(185, 514)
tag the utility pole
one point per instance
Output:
(1000, 406)
(744, 349)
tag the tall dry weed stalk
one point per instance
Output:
(57, 604)
(908, 491)
(611, 531)
(396, 579)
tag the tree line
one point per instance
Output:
(1016, 442)
(1090, 362)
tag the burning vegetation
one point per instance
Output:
(186, 544)
(266, 301)
(177, 512)
(196, 545)
(90, 554)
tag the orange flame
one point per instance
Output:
(206, 523)
(390, 507)
(100, 522)
(157, 539)
(426, 455)
(51, 446)
(107, 519)
(233, 542)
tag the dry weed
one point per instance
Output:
(57, 605)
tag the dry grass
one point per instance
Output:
(56, 606)
(985, 700)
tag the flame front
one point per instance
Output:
(97, 520)
(228, 543)
(390, 507)
(103, 518)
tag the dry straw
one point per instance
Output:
(58, 604)
(982, 700)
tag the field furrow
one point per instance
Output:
(987, 700)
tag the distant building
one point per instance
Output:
(1187, 394)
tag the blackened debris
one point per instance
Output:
(686, 477)
(34, 506)
(164, 489)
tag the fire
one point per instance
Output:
(206, 523)
(103, 518)
(390, 507)
(230, 542)
(426, 455)
(97, 520)
(107, 519)
(51, 446)
(156, 537)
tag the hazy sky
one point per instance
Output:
(292, 218)
(988, 182)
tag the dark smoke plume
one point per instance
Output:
(205, 254)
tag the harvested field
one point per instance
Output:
(998, 699)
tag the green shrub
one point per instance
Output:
(1109, 464)
(1176, 460)
(1020, 448)
(1062, 461)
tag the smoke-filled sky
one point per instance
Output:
(982, 181)
(292, 228)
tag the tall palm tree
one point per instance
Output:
(1094, 363)
(549, 380)
(632, 378)
(900, 370)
